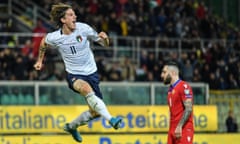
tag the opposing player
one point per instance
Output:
(180, 102)
(72, 39)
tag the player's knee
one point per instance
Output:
(82, 87)
(86, 89)
(94, 114)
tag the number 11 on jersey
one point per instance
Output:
(73, 49)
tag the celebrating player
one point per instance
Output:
(72, 39)
(180, 102)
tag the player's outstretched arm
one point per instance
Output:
(104, 41)
(42, 49)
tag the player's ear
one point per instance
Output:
(62, 20)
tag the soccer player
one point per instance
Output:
(72, 39)
(180, 102)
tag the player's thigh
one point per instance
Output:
(84, 84)
(82, 87)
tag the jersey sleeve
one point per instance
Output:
(91, 33)
(186, 91)
(49, 39)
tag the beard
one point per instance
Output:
(167, 80)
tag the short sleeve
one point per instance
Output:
(91, 33)
(49, 39)
(186, 92)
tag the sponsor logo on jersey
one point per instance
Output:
(187, 91)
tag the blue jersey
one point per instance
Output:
(75, 48)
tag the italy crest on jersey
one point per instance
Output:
(79, 38)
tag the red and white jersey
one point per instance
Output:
(177, 94)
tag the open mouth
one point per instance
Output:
(74, 21)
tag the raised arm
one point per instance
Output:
(42, 49)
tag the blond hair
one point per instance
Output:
(57, 12)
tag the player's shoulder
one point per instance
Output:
(81, 25)
(52, 37)
(184, 84)
(54, 34)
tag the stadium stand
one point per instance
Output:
(219, 58)
(210, 50)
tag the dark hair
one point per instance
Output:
(57, 12)
(172, 63)
(175, 64)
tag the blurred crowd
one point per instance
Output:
(170, 18)
(214, 62)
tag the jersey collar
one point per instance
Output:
(174, 84)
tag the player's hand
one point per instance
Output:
(104, 37)
(178, 132)
(38, 65)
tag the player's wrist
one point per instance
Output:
(179, 125)
(40, 60)
(106, 41)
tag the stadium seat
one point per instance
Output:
(43, 100)
(199, 99)
(29, 99)
(77, 99)
(5, 99)
(21, 99)
(107, 99)
(161, 99)
(13, 100)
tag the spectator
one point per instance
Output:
(39, 29)
(124, 26)
(149, 77)
(196, 75)
(205, 71)
(188, 71)
(27, 48)
(201, 11)
(213, 82)
(128, 71)
(150, 61)
(222, 84)
(232, 82)
(114, 74)
(231, 123)
(19, 69)
(165, 19)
